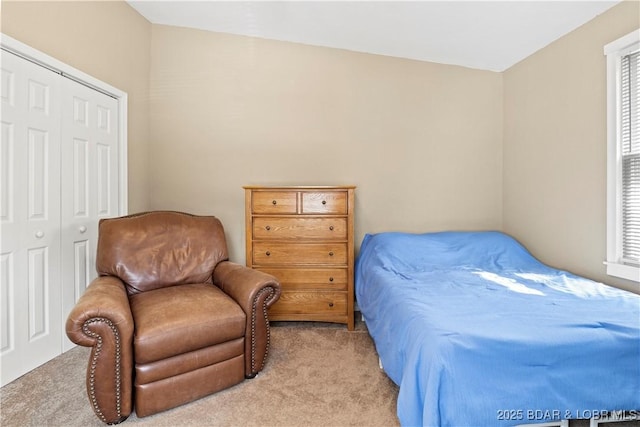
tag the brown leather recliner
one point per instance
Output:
(169, 318)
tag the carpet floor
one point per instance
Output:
(317, 374)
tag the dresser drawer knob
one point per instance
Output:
(331, 279)
(331, 227)
(268, 227)
(274, 202)
(267, 253)
(331, 253)
(324, 202)
(330, 304)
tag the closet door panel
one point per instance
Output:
(30, 217)
(89, 182)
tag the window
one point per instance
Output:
(623, 157)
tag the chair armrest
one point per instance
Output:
(255, 292)
(102, 319)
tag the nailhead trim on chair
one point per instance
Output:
(94, 362)
(253, 328)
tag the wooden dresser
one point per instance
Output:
(304, 237)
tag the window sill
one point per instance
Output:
(623, 271)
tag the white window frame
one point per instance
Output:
(614, 52)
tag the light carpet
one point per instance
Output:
(317, 374)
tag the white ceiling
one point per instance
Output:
(489, 35)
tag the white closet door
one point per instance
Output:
(89, 182)
(31, 306)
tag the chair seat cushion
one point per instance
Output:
(179, 319)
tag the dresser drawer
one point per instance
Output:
(300, 228)
(324, 202)
(310, 278)
(310, 303)
(274, 202)
(272, 253)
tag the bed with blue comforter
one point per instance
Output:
(477, 332)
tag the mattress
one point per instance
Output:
(476, 331)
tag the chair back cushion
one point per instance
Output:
(158, 249)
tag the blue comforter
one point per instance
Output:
(477, 332)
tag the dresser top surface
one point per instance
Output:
(298, 187)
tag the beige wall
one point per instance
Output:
(555, 147)
(107, 40)
(421, 141)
